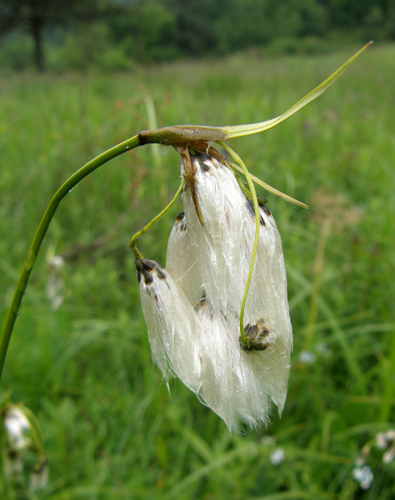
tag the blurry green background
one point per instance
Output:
(84, 367)
(117, 35)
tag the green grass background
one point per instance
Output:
(111, 429)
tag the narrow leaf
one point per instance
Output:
(253, 128)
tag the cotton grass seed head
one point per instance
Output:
(192, 309)
(16, 425)
(181, 260)
(171, 324)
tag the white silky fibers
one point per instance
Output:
(193, 323)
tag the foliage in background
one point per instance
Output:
(113, 35)
(35, 17)
(79, 357)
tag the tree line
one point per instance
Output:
(144, 31)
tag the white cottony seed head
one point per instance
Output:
(16, 423)
(192, 309)
(181, 260)
(171, 324)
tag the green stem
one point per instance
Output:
(237, 158)
(21, 285)
(135, 237)
(155, 148)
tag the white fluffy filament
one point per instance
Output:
(171, 324)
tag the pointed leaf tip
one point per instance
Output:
(253, 128)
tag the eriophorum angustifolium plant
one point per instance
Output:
(153, 422)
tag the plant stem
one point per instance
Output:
(251, 186)
(135, 237)
(21, 285)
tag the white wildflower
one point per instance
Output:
(56, 262)
(277, 456)
(364, 476)
(307, 357)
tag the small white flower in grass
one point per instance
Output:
(386, 441)
(277, 456)
(307, 357)
(364, 476)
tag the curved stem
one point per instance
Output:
(135, 237)
(21, 285)
(237, 158)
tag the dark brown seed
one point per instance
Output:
(250, 206)
(161, 275)
(180, 216)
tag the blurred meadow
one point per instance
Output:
(83, 366)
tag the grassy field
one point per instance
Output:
(111, 429)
